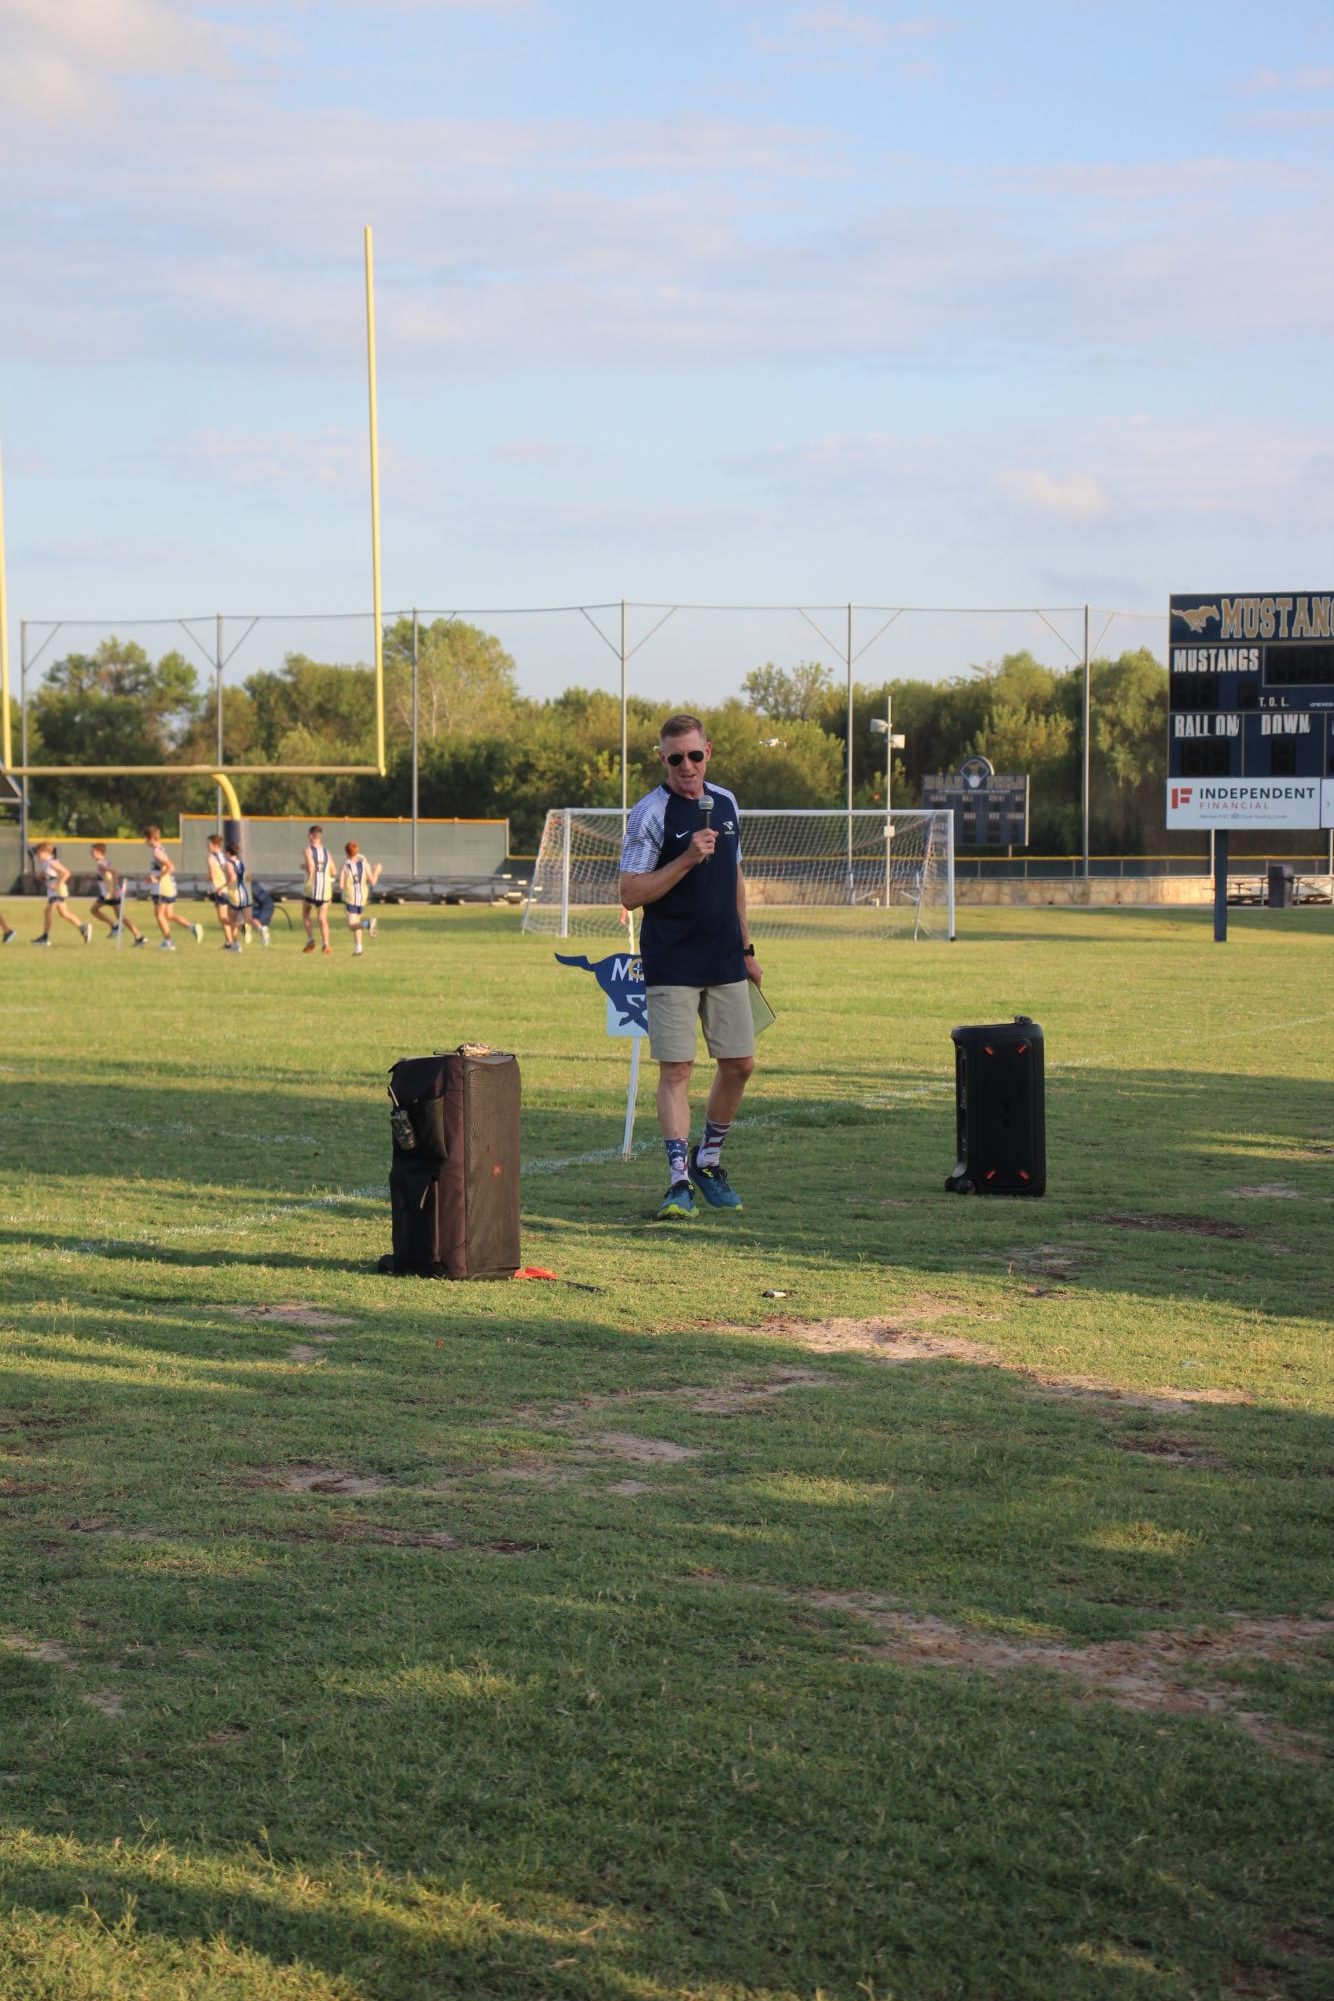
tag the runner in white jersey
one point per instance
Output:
(162, 889)
(217, 890)
(318, 868)
(108, 906)
(356, 879)
(54, 878)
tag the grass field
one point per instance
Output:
(956, 1624)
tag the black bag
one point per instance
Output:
(454, 1177)
(999, 1110)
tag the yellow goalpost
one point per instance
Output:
(223, 780)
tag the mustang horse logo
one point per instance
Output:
(621, 978)
(1196, 616)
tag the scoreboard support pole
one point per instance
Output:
(1220, 885)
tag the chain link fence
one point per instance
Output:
(1080, 706)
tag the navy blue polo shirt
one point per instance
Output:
(692, 936)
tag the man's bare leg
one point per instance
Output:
(729, 1084)
(674, 1100)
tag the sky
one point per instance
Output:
(779, 304)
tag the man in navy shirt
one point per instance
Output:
(682, 868)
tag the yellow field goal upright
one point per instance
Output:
(223, 780)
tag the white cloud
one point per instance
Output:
(282, 462)
(865, 28)
(108, 552)
(1077, 497)
(1287, 82)
(62, 56)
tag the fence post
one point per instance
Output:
(850, 754)
(625, 732)
(1085, 732)
(218, 663)
(416, 654)
(23, 744)
(565, 873)
(949, 853)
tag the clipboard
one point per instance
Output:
(761, 1013)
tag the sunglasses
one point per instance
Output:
(680, 756)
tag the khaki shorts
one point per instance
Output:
(729, 1026)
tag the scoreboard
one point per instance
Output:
(990, 808)
(1251, 710)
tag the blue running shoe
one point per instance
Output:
(713, 1184)
(678, 1204)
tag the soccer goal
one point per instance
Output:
(809, 873)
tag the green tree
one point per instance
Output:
(790, 694)
(1128, 699)
(113, 706)
(467, 684)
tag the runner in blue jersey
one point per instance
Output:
(682, 868)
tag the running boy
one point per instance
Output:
(108, 905)
(162, 889)
(319, 870)
(356, 880)
(238, 896)
(217, 889)
(56, 877)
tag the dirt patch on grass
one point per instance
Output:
(229, 1733)
(1159, 1671)
(1266, 1191)
(535, 1471)
(1189, 1226)
(1170, 1451)
(290, 1313)
(643, 1451)
(50, 1651)
(307, 1479)
(888, 1340)
(1089, 1387)
(104, 1525)
(303, 1351)
(1060, 1261)
(18, 1490)
(727, 1399)
(629, 1488)
(731, 1399)
(105, 1703)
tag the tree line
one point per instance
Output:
(488, 751)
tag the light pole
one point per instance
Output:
(892, 743)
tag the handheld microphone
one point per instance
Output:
(706, 808)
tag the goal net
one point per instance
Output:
(815, 872)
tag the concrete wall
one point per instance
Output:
(1106, 891)
(10, 862)
(444, 847)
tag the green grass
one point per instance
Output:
(502, 1727)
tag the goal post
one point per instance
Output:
(810, 872)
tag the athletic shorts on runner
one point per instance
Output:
(723, 1012)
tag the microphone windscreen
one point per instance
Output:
(706, 805)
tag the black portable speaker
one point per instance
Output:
(999, 1110)
(454, 1177)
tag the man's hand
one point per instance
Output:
(753, 971)
(702, 846)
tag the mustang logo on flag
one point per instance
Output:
(621, 978)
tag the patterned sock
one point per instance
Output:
(677, 1149)
(712, 1143)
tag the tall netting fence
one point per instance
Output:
(518, 710)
